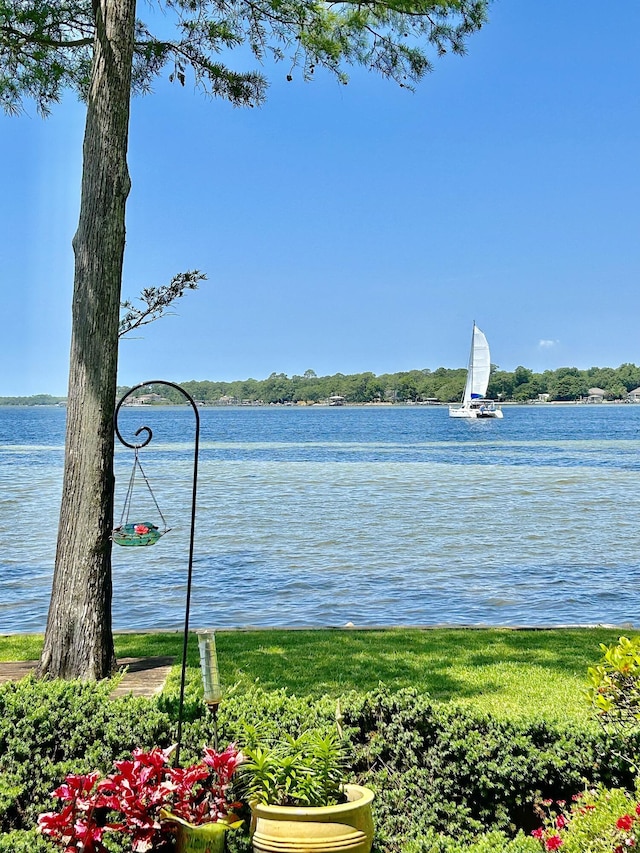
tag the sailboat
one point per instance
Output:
(474, 404)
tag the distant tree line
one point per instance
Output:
(34, 400)
(443, 385)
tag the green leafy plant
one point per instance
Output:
(307, 770)
(614, 695)
(614, 689)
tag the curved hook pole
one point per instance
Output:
(138, 431)
(149, 436)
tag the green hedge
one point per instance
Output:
(460, 772)
(51, 728)
(490, 842)
(25, 841)
(436, 771)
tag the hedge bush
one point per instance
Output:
(51, 728)
(491, 842)
(460, 772)
(25, 841)
(436, 771)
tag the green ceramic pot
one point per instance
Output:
(207, 838)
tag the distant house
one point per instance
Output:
(147, 400)
(336, 400)
(543, 398)
(634, 396)
(596, 395)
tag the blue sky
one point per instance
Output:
(357, 228)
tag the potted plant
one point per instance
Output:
(298, 797)
(154, 806)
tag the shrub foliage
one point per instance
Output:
(436, 770)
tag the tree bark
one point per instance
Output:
(78, 639)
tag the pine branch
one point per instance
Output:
(156, 301)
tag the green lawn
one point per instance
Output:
(511, 673)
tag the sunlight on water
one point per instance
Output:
(373, 517)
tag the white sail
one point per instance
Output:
(479, 368)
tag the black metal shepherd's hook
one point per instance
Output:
(149, 436)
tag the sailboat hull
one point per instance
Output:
(473, 413)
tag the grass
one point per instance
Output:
(509, 673)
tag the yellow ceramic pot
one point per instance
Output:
(320, 829)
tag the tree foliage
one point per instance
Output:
(46, 46)
(443, 385)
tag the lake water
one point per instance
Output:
(375, 516)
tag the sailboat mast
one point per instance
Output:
(473, 340)
(466, 397)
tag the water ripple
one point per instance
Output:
(372, 517)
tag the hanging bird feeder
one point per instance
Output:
(138, 532)
(144, 533)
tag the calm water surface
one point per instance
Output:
(376, 516)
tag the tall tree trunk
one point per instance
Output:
(78, 640)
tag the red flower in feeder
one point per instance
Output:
(141, 529)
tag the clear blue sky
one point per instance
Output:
(357, 228)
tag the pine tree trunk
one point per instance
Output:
(78, 640)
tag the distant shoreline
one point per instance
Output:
(311, 405)
(441, 387)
